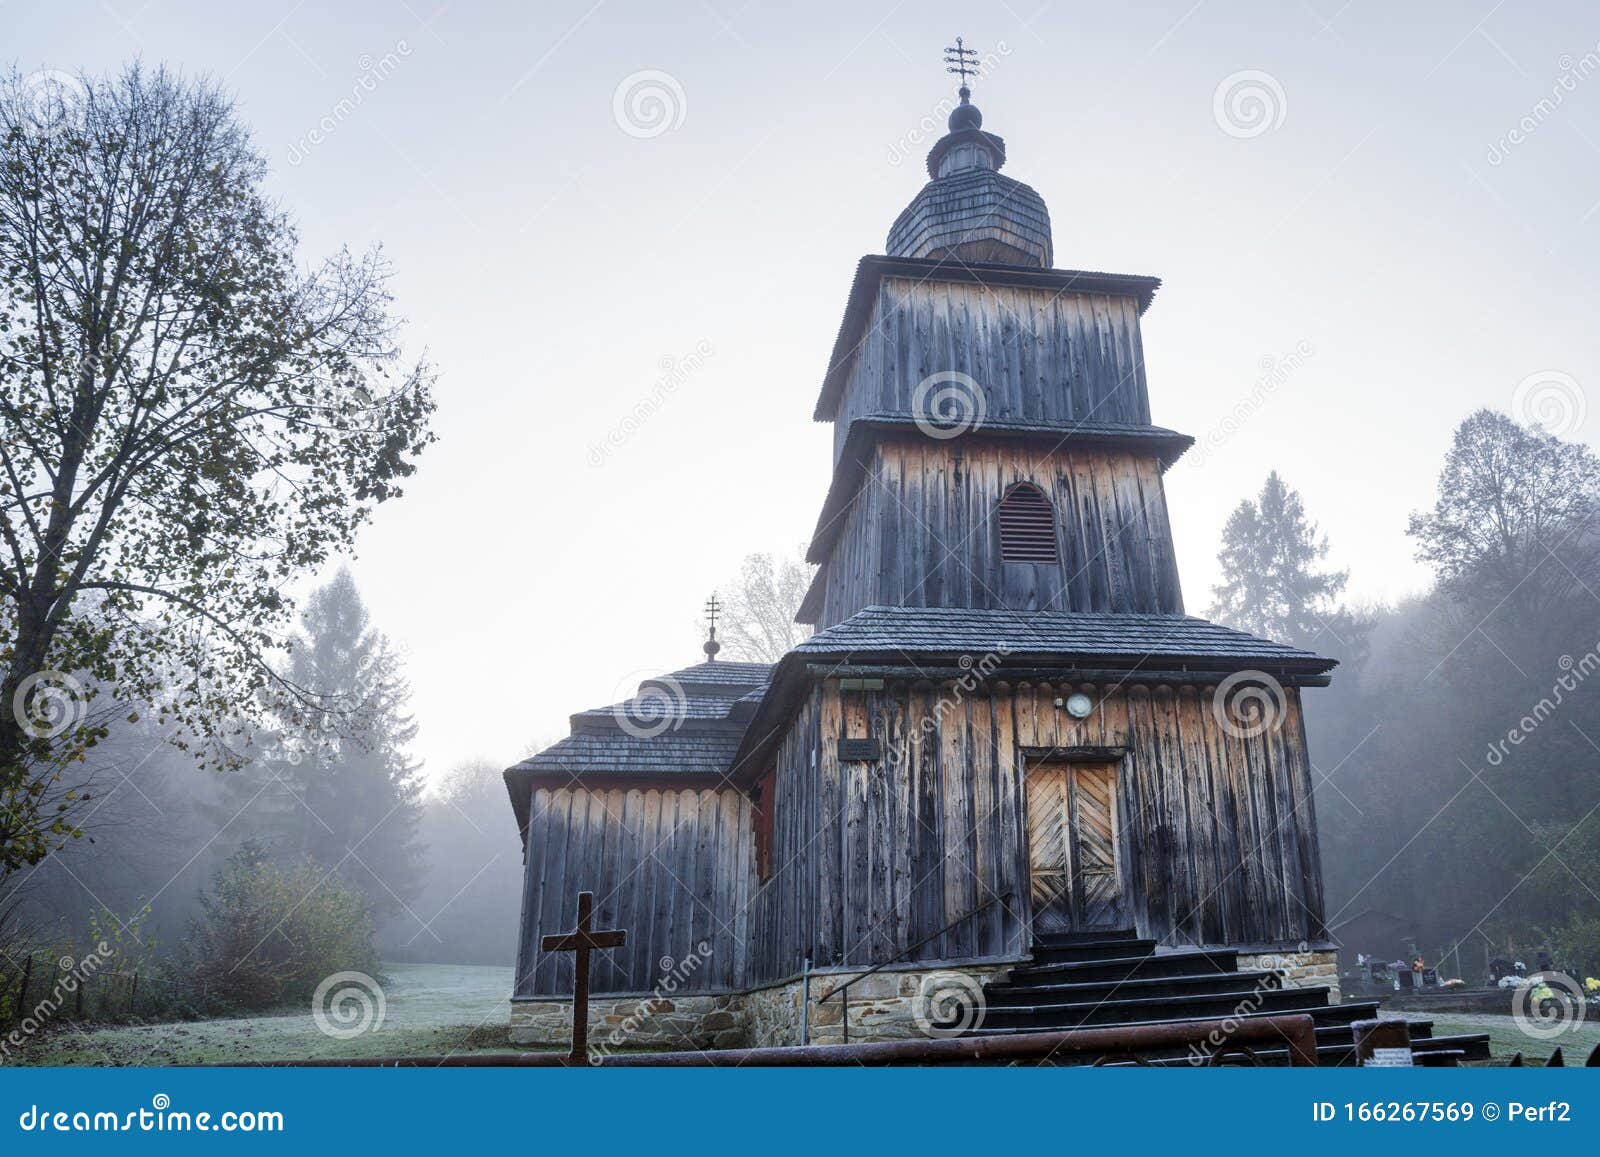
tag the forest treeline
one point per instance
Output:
(1457, 753)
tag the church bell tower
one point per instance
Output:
(992, 438)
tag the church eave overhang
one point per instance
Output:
(1048, 667)
(798, 673)
(766, 731)
(873, 268)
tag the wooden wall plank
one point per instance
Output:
(921, 532)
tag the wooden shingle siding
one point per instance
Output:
(672, 868)
(1216, 838)
(976, 214)
(923, 532)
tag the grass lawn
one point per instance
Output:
(430, 1009)
(1506, 1038)
(433, 1009)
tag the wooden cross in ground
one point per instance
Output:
(582, 942)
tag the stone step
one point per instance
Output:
(989, 1029)
(1238, 984)
(1092, 950)
(1202, 1006)
(1066, 939)
(1184, 962)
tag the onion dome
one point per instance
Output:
(968, 210)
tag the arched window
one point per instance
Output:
(1027, 525)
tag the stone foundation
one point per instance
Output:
(1298, 969)
(619, 1023)
(888, 1005)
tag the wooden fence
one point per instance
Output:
(37, 987)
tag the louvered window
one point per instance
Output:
(1027, 525)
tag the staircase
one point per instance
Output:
(1083, 980)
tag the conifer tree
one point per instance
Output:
(1273, 580)
(337, 785)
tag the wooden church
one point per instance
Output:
(1005, 749)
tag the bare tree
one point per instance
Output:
(188, 419)
(759, 607)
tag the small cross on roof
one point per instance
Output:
(711, 645)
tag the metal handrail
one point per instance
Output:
(844, 1015)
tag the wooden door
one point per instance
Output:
(1072, 847)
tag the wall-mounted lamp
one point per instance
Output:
(1077, 705)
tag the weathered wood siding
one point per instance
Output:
(922, 532)
(672, 868)
(1217, 840)
(1039, 355)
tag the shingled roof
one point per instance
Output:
(1112, 638)
(718, 677)
(671, 753)
(689, 727)
(925, 639)
(681, 729)
(646, 712)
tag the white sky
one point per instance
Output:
(550, 262)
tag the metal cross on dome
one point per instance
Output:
(962, 61)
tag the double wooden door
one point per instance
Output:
(1072, 847)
